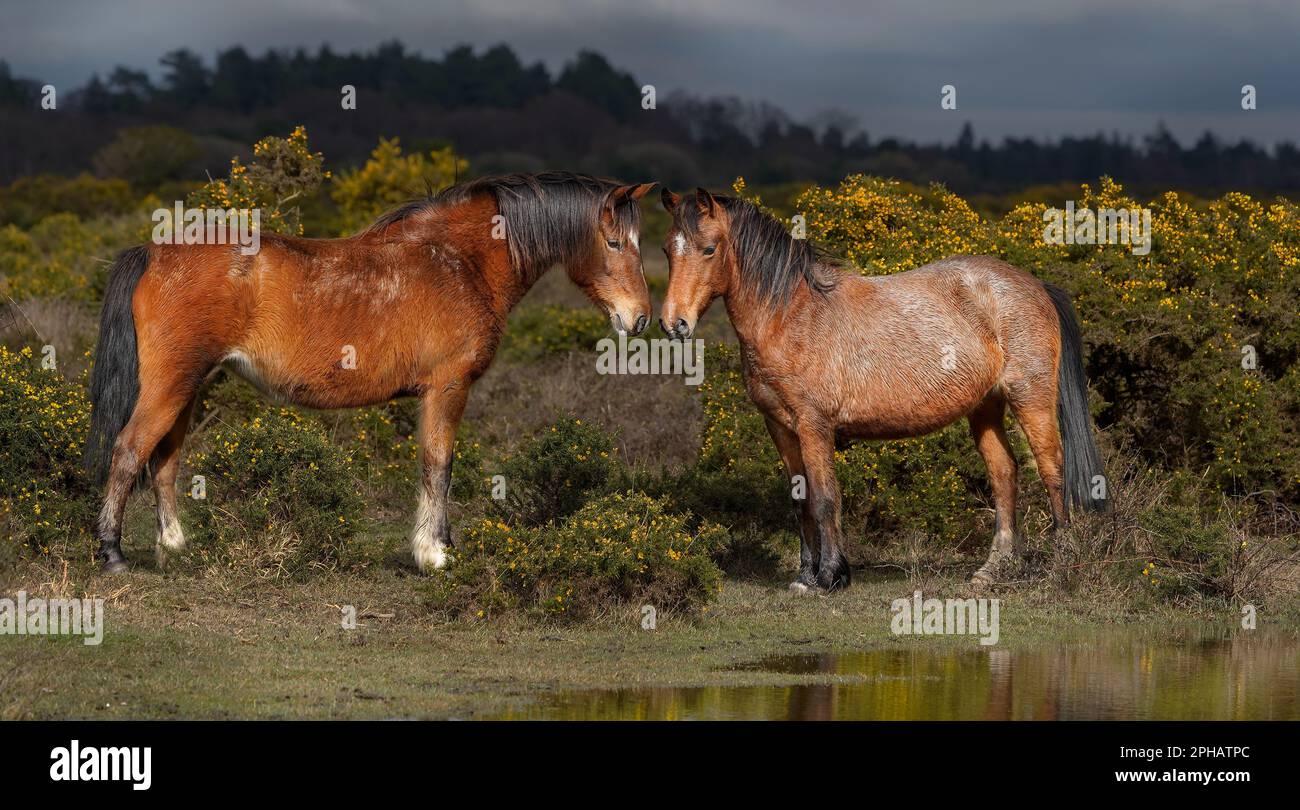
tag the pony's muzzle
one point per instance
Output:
(680, 330)
(620, 326)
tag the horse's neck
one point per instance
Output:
(763, 326)
(762, 330)
(497, 279)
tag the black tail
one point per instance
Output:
(114, 378)
(1085, 484)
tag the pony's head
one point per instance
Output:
(700, 262)
(719, 246)
(590, 225)
(613, 276)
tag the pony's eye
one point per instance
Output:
(710, 250)
(614, 244)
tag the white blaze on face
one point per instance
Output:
(679, 245)
(632, 237)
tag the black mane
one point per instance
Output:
(550, 217)
(769, 258)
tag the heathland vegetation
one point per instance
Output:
(623, 491)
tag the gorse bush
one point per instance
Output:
(618, 548)
(390, 178)
(552, 474)
(384, 441)
(1174, 538)
(283, 173)
(28, 200)
(535, 332)
(885, 226)
(62, 256)
(280, 498)
(926, 484)
(44, 497)
(737, 479)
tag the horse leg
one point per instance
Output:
(166, 464)
(817, 446)
(787, 444)
(989, 431)
(154, 415)
(1038, 420)
(440, 411)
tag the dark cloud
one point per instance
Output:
(1020, 68)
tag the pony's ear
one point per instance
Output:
(615, 197)
(669, 199)
(640, 191)
(704, 200)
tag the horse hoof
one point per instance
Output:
(984, 578)
(799, 589)
(834, 577)
(115, 566)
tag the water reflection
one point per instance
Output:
(1245, 677)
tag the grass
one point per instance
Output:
(213, 648)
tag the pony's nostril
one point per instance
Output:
(640, 324)
(682, 327)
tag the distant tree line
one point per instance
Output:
(504, 114)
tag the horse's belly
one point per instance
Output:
(903, 408)
(899, 425)
(341, 384)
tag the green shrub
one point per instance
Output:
(62, 256)
(619, 548)
(389, 179)
(45, 501)
(467, 477)
(928, 484)
(552, 474)
(282, 173)
(28, 200)
(280, 498)
(146, 156)
(1188, 551)
(738, 479)
(385, 444)
(535, 332)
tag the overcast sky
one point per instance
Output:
(1020, 68)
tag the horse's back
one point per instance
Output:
(1019, 310)
(916, 350)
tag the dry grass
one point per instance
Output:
(69, 326)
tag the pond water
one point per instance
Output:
(1242, 677)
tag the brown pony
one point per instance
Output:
(413, 306)
(829, 355)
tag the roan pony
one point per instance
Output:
(413, 306)
(829, 354)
